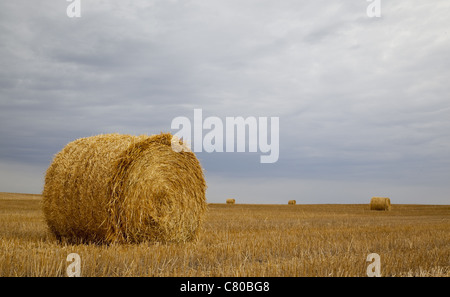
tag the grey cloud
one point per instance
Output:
(359, 99)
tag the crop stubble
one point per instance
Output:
(246, 240)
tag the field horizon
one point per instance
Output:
(39, 196)
(245, 240)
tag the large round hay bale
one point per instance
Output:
(231, 201)
(380, 203)
(124, 189)
(292, 202)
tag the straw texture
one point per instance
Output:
(124, 189)
(380, 203)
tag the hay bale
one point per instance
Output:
(231, 201)
(292, 202)
(380, 203)
(124, 189)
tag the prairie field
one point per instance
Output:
(244, 240)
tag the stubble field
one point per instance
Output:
(244, 240)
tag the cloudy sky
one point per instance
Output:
(363, 103)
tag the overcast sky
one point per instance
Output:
(363, 103)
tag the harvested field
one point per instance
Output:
(245, 240)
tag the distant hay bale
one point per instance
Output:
(380, 203)
(231, 201)
(292, 202)
(124, 189)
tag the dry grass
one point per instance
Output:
(246, 240)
